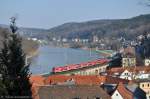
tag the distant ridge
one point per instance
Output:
(103, 28)
(129, 28)
(29, 32)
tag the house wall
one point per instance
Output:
(116, 95)
(143, 76)
(127, 62)
(147, 62)
(146, 87)
(93, 70)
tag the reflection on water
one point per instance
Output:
(49, 57)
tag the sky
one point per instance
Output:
(49, 13)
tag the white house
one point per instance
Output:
(137, 74)
(64, 40)
(121, 92)
(126, 75)
(116, 95)
(143, 76)
(130, 91)
(147, 62)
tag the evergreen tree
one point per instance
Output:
(3, 91)
(15, 72)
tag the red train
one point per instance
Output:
(77, 66)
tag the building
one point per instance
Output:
(130, 73)
(128, 57)
(82, 80)
(64, 40)
(128, 62)
(95, 39)
(145, 85)
(93, 70)
(130, 91)
(143, 75)
(64, 82)
(137, 92)
(127, 75)
(122, 92)
(72, 92)
(115, 72)
(87, 68)
(147, 62)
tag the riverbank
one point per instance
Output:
(104, 53)
(30, 48)
(32, 53)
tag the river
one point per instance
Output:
(50, 57)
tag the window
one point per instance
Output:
(142, 85)
(126, 73)
(100, 70)
(76, 98)
(96, 71)
(116, 94)
(97, 97)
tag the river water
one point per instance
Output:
(50, 57)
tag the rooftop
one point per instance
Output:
(84, 80)
(72, 92)
(125, 93)
(135, 69)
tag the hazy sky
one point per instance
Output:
(49, 13)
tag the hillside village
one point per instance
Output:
(124, 76)
(75, 49)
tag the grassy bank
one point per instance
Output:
(105, 53)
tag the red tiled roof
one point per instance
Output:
(72, 92)
(125, 93)
(84, 80)
(112, 80)
(134, 69)
(37, 80)
(115, 70)
(79, 80)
